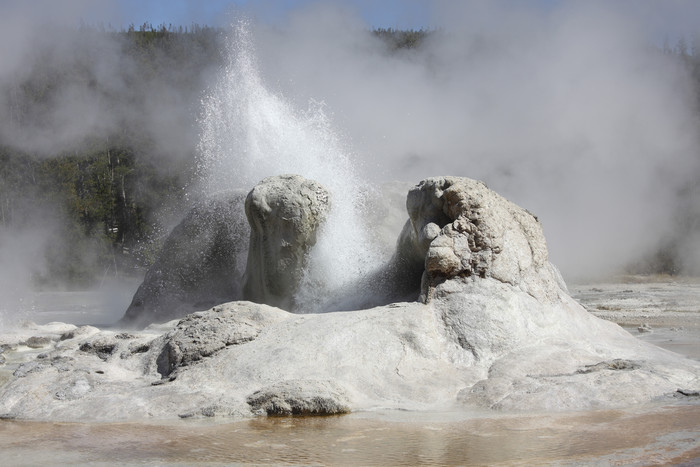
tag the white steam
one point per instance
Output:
(250, 132)
(570, 113)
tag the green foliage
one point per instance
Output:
(98, 200)
(402, 39)
(98, 206)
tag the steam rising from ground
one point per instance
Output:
(572, 114)
(568, 111)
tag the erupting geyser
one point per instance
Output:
(249, 133)
(493, 328)
(284, 214)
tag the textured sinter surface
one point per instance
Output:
(495, 330)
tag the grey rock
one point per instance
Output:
(614, 365)
(79, 332)
(101, 346)
(461, 228)
(300, 397)
(200, 265)
(76, 388)
(37, 342)
(139, 347)
(284, 213)
(25, 369)
(209, 411)
(457, 227)
(202, 334)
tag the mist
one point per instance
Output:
(68, 83)
(572, 114)
(572, 111)
(109, 91)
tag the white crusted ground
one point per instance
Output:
(470, 347)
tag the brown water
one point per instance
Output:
(660, 435)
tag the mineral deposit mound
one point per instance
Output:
(490, 324)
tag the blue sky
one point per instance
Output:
(658, 17)
(385, 13)
(404, 14)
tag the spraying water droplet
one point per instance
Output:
(249, 133)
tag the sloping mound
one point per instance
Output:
(495, 328)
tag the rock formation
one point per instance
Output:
(494, 330)
(284, 214)
(213, 256)
(200, 265)
(460, 228)
(457, 227)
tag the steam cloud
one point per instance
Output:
(570, 112)
(572, 115)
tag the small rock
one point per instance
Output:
(82, 331)
(62, 363)
(37, 342)
(300, 397)
(616, 364)
(125, 335)
(644, 328)
(31, 367)
(139, 347)
(103, 348)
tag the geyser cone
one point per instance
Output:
(249, 133)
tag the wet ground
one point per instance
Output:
(637, 300)
(661, 310)
(659, 435)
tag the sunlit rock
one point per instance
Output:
(284, 213)
(204, 333)
(460, 228)
(299, 397)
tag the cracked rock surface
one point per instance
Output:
(284, 213)
(300, 397)
(201, 334)
(461, 228)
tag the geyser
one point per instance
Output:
(249, 133)
(201, 263)
(495, 330)
(216, 255)
(284, 214)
